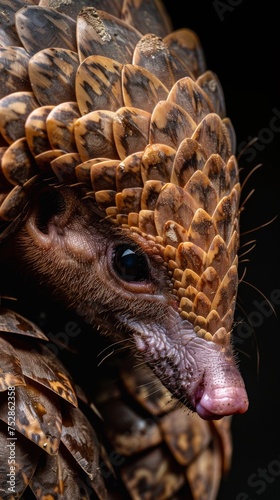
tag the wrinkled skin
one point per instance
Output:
(79, 256)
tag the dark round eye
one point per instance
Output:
(131, 264)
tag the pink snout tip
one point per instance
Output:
(222, 402)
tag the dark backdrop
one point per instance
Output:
(241, 45)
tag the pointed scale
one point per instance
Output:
(103, 34)
(38, 417)
(141, 89)
(153, 54)
(36, 130)
(14, 110)
(186, 45)
(24, 469)
(40, 28)
(147, 17)
(14, 70)
(52, 74)
(73, 8)
(60, 124)
(98, 84)
(8, 31)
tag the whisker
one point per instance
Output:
(111, 345)
(255, 139)
(260, 227)
(262, 294)
(250, 175)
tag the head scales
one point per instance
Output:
(134, 116)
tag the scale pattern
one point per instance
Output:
(92, 95)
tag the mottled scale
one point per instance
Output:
(73, 419)
(129, 200)
(146, 222)
(150, 194)
(18, 164)
(191, 256)
(141, 89)
(37, 417)
(131, 130)
(212, 134)
(128, 172)
(189, 158)
(98, 84)
(64, 167)
(36, 130)
(201, 190)
(51, 374)
(153, 54)
(157, 472)
(106, 199)
(73, 8)
(52, 72)
(14, 70)
(128, 431)
(13, 322)
(43, 160)
(201, 231)
(8, 31)
(187, 94)
(225, 214)
(170, 124)
(14, 110)
(103, 175)
(217, 256)
(203, 486)
(215, 170)
(157, 161)
(189, 438)
(147, 17)
(209, 282)
(174, 234)
(94, 135)
(226, 294)
(83, 170)
(211, 85)
(14, 203)
(186, 45)
(60, 124)
(101, 33)
(11, 374)
(25, 469)
(173, 204)
(40, 28)
(231, 133)
(55, 478)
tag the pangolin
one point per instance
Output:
(120, 199)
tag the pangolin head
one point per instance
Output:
(127, 110)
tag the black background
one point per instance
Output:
(240, 39)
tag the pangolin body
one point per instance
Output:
(120, 196)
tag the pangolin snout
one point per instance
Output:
(222, 394)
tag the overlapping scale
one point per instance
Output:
(48, 428)
(94, 95)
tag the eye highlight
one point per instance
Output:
(130, 263)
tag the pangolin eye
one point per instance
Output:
(131, 263)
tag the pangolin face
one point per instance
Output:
(118, 152)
